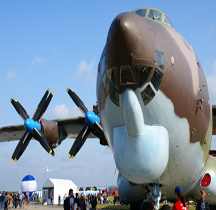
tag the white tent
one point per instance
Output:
(55, 187)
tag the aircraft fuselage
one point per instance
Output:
(154, 104)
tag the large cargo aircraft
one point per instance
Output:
(153, 110)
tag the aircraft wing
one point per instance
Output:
(68, 128)
(11, 133)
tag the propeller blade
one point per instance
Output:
(21, 146)
(77, 101)
(19, 108)
(40, 106)
(25, 144)
(80, 140)
(100, 131)
(46, 104)
(43, 141)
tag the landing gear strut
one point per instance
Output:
(156, 195)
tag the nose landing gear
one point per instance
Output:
(156, 194)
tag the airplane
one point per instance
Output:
(153, 110)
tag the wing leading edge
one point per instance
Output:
(68, 128)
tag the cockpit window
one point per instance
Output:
(143, 73)
(156, 15)
(156, 79)
(114, 96)
(160, 59)
(127, 77)
(166, 20)
(147, 95)
(141, 12)
(112, 75)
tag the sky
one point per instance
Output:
(57, 44)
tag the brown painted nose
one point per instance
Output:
(123, 33)
(129, 35)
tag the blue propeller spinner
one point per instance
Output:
(91, 118)
(30, 124)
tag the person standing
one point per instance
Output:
(82, 203)
(20, 199)
(6, 201)
(2, 202)
(10, 199)
(77, 200)
(16, 200)
(71, 199)
(181, 202)
(202, 204)
(59, 200)
(13, 197)
(94, 205)
(51, 197)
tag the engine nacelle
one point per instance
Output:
(130, 192)
(51, 131)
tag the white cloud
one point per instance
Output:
(85, 71)
(212, 84)
(36, 60)
(10, 75)
(62, 111)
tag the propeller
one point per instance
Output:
(33, 126)
(92, 125)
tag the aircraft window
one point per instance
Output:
(107, 86)
(166, 20)
(156, 79)
(112, 75)
(143, 73)
(127, 76)
(114, 96)
(141, 12)
(147, 95)
(156, 15)
(160, 59)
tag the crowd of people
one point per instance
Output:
(76, 202)
(180, 204)
(10, 200)
(80, 202)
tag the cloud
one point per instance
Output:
(211, 83)
(62, 111)
(36, 60)
(10, 75)
(85, 71)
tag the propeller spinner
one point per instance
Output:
(32, 126)
(92, 123)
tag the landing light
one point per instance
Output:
(206, 180)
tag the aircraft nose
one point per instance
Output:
(124, 32)
(129, 37)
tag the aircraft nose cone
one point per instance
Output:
(129, 37)
(124, 30)
(123, 34)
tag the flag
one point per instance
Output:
(48, 169)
